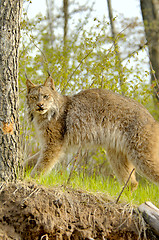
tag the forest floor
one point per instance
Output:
(29, 211)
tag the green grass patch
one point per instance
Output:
(109, 186)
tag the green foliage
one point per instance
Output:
(87, 60)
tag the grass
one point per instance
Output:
(109, 186)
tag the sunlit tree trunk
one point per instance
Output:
(10, 11)
(116, 47)
(50, 18)
(65, 11)
(65, 62)
(150, 14)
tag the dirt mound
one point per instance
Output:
(29, 211)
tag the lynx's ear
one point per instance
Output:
(29, 85)
(50, 83)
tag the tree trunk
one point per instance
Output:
(150, 14)
(10, 11)
(50, 17)
(116, 47)
(65, 11)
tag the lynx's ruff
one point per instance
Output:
(122, 126)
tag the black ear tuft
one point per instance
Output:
(29, 85)
(50, 83)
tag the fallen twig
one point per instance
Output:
(124, 186)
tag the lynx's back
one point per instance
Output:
(101, 116)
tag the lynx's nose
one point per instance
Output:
(40, 107)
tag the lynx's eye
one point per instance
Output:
(46, 97)
(33, 97)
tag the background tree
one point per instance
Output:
(150, 14)
(113, 32)
(66, 16)
(50, 19)
(10, 11)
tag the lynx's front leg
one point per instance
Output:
(48, 157)
(31, 161)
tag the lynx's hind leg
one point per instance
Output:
(122, 168)
(146, 157)
(148, 166)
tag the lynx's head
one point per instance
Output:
(42, 99)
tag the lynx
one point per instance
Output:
(100, 117)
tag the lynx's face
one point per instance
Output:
(42, 99)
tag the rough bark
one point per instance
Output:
(150, 14)
(10, 11)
